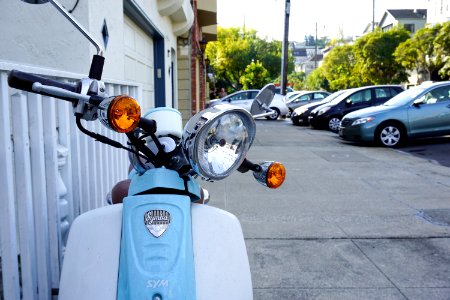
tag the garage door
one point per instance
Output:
(139, 64)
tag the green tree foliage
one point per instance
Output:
(339, 68)
(317, 80)
(236, 48)
(297, 80)
(370, 60)
(255, 76)
(375, 61)
(424, 52)
(442, 46)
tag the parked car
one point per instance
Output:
(329, 115)
(245, 99)
(304, 98)
(422, 111)
(288, 90)
(300, 115)
(291, 95)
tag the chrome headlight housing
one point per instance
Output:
(216, 140)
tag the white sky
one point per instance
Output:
(267, 16)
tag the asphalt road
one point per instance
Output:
(350, 222)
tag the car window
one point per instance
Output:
(395, 91)
(319, 96)
(361, 96)
(405, 97)
(304, 97)
(382, 93)
(253, 94)
(439, 94)
(238, 96)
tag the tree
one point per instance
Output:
(316, 80)
(229, 55)
(237, 48)
(421, 52)
(297, 80)
(339, 68)
(376, 63)
(255, 76)
(442, 46)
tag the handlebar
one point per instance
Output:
(24, 81)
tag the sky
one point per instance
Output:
(267, 16)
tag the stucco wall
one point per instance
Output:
(39, 35)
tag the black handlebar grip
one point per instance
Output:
(24, 81)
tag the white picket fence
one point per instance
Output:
(51, 173)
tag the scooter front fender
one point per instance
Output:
(91, 260)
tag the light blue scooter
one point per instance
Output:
(162, 242)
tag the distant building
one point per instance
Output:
(411, 19)
(306, 58)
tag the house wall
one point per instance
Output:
(418, 24)
(43, 37)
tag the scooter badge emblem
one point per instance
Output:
(157, 222)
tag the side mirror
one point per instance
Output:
(419, 102)
(261, 105)
(348, 102)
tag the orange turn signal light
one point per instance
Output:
(276, 174)
(124, 113)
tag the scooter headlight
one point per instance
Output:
(216, 140)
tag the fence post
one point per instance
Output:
(36, 129)
(8, 238)
(25, 216)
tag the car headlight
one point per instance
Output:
(362, 121)
(323, 110)
(216, 140)
(300, 111)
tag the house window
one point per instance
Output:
(410, 27)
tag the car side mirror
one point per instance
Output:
(418, 102)
(348, 102)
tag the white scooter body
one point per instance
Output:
(91, 260)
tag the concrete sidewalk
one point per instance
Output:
(350, 222)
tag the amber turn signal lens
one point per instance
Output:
(124, 114)
(275, 175)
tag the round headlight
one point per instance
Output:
(216, 140)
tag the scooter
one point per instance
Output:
(163, 242)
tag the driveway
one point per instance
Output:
(350, 222)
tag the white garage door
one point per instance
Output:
(139, 65)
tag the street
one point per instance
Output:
(350, 221)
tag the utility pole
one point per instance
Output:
(315, 50)
(373, 15)
(284, 48)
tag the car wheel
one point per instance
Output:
(275, 115)
(390, 135)
(334, 123)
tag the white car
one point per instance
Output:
(245, 99)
